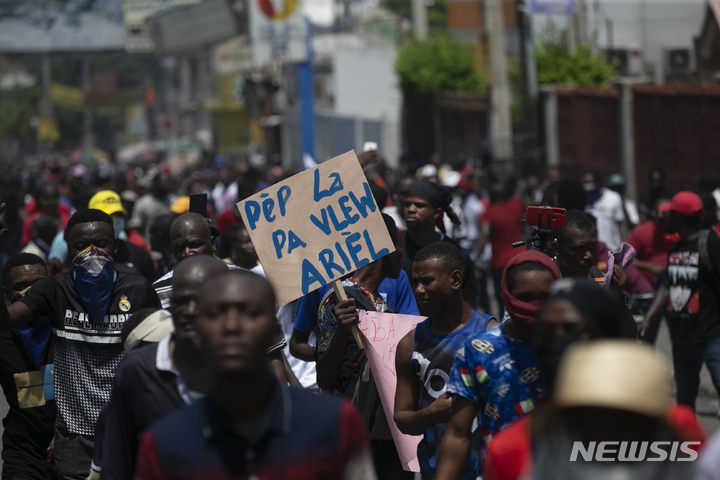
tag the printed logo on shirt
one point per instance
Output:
(529, 375)
(683, 270)
(124, 304)
(483, 346)
(502, 390)
(492, 411)
(81, 321)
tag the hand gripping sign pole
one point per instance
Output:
(342, 296)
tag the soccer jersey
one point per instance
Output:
(432, 362)
(499, 374)
(86, 353)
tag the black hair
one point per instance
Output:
(89, 215)
(229, 235)
(657, 170)
(445, 252)
(391, 226)
(161, 226)
(596, 177)
(708, 201)
(512, 272)
(573, 219)
(20, 260)
(82, 199)
(571, 194)
(135, 320)
(380, 195)
(592, 218)
(708, 182)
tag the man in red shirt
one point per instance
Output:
(499, 226)
(651, 246)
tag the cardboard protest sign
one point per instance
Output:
(316, 227)
(383, 331)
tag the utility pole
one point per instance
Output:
(307, 95)
(187, 122)
(420, 19)
(500, 119)
(47, 113)
(88, 139)
(526, 57)
(576, 27)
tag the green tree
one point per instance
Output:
(439, 63)
(556, 65)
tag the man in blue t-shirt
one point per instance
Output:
(397, 293)
(425, 356)
(495, 378)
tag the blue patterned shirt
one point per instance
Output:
(499, 374)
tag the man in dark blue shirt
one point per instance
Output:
(148, 384)
(251, 426)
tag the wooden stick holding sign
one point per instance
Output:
(342, 296)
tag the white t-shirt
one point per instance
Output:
(609, 211)
(305, 372)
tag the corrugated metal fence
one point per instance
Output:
(676, 128)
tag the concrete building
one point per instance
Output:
(357, 98)
(707, 45)
(656, 35)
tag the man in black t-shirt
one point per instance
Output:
(690, 296)
(425, 206)
(26, 379)
(87, 308)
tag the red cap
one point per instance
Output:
(465, 183)
(687, 203)
(664, 207)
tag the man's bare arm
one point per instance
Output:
(299, 346)
(408, 419)
(455, 445)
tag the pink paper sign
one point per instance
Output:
(383, 331)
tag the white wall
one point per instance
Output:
(366, 86)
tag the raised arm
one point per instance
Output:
(408, 419)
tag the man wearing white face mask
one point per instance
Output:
(87, 308)
(128, 258)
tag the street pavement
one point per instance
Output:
(707, 405)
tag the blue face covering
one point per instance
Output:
(34, 339)
(94, 278)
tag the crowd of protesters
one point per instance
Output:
(143, 341)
